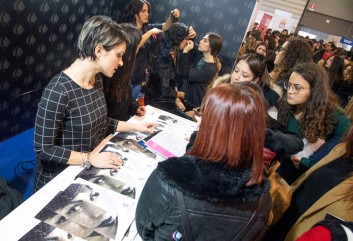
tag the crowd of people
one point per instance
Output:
(285, 93)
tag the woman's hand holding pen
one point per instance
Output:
(124, 126)
(180, 94)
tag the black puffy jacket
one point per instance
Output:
(160, 91)
(218, 202)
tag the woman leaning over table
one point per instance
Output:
(311, 110)
(72, 115)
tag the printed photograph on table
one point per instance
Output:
(166, 120)
(124, 181)
(131, 142)
(44, 232)
(112, 179)
(71, 228)
(133, 160)
(88, 210)
(169, 121)
(88, 207)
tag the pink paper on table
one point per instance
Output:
(160, 150)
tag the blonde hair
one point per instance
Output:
(221, 80)
(249, 44)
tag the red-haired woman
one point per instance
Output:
(220, 179)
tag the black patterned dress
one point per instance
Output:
(69, 118)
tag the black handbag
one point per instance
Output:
(186, 224)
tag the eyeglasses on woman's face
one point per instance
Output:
(295, 87)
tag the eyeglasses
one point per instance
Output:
(297, 88)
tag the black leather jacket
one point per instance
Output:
(218, 202)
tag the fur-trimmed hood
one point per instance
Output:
(214, 182)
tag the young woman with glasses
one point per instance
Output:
(311, 110)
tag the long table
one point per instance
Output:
(22, 219)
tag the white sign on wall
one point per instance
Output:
(279, 23)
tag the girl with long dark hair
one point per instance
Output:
(311, 110)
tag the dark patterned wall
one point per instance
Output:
(228, 18)
(38, 39)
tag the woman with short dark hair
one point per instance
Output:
(220, 178)
(72, 117)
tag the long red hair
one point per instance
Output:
(232, 129)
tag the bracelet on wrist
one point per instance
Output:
(86, 162)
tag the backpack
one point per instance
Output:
(9, 199)
(280, 191)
